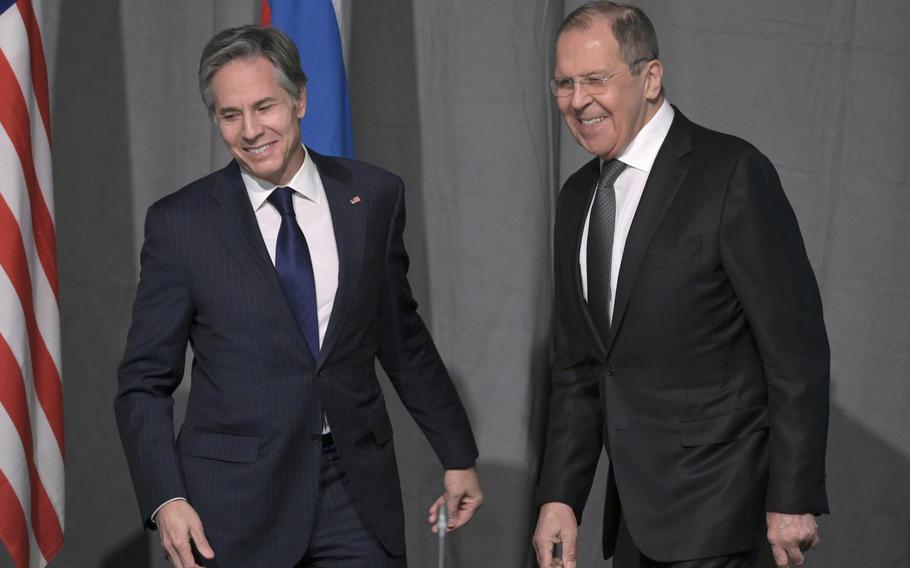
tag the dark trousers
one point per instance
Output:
(339, 538)
(628, 556)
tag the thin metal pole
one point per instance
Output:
(442, 523)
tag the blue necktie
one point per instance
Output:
(295, 269)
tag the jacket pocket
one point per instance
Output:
(672, 256)
(382, 428)
(723, 427)
(238, 448)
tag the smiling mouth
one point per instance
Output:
(260, 149)
(592, 121)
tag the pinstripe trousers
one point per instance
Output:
(339, 537)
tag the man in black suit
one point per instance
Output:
(689, 339)
(286, 273)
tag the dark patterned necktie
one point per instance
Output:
(295, 269)
(600, 248)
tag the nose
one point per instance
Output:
(580, 97)
(250, 128)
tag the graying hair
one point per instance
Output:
(632, 30)
(246, 42)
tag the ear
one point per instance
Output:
(654, 79)
(300, 103)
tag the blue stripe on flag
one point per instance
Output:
(312, 25)
(5, 4)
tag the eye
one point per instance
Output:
(230, 116)
(595, 80)
(564, 83)
(266, 107)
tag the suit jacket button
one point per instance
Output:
(611, 370)
(316, 438)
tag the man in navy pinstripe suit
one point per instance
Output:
(285, 457)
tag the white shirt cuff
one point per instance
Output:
(155, 514)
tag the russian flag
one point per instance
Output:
(313, 25)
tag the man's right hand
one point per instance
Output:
(178, 523)
(556, 523)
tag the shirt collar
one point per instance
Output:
(642, 152)
(305, 182)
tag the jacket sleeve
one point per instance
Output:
(574, 439)
(152, 367)
(763, 254)
(409, 357)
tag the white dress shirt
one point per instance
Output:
(639, 157)
(314, 219)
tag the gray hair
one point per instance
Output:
(247, 42)
(632, 30)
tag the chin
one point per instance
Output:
(593, 149)
(263, 170)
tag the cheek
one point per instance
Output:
(229, 138)
(570, 123)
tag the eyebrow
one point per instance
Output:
(260, 102)
(603, 71)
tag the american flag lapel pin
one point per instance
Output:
(355, 200)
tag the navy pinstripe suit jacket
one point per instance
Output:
(248, 454)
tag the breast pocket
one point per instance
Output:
(667, 257)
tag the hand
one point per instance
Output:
(790, 536)
(555, 523)
(462, 498)
(178, 523)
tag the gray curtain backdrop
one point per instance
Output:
(452, 96)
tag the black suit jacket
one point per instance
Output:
(711, 393)
(249, 451)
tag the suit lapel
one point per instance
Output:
(583, 193)
(237, 226)
(666, 175)
(349, 223)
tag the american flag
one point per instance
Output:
(31, 397)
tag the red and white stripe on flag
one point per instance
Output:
(31, 396)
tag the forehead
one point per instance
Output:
(245, 80)
(583, 51)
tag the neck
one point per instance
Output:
(652, 109)
(294, 165)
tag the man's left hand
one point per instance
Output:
(462, 498)
(790, 536)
